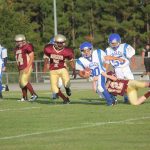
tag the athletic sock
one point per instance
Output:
(60, 94)
(147, 95)
(24, 92)
(30, 88)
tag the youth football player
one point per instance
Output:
(130, 87)
(121, 50)
(24, 54)
(58, 53)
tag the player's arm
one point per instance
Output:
(84, 73)
(107, 66)
(46, 65)
(109, 76)
(31, 59)
(130, 54)
(113, 58)
(133, 62)
(72, 64)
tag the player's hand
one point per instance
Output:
(74, 74)
(113, 78)
(26, 70)
(87, 72)
(122, 60)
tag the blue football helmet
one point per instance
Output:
(86, 49)
(86, 45)
(51, 40)
(114, 40)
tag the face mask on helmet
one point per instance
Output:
(86, 49)
(114, 40)
(59, 42)
(20, 40)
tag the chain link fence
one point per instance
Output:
(11, 75)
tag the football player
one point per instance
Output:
(122, 86)
(58, 53)
(46, 67)
(24, 54)
(125, 51)
(3, 62)
(95, 60)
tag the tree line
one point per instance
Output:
(78, 20)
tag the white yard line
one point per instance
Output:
(83, 125)
(25, 108)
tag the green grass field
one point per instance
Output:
(85, 124)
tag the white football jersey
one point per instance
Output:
(95, 63)
(124, 51)
(3, 54)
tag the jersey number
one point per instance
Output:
(19, 59)
(117, 63)
(95, 72)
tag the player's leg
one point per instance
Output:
(59, 84)
(54, 77)
(127, 75)
(23, 87)
(133, 85)
(25, 83)
(66, 80)
(101, 88)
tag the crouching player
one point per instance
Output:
(129, 87)
(92, 64)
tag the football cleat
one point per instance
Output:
(6, 88)
(33, 98)
(66, 101)
(55, 96)
(68, 91)
(22, 100)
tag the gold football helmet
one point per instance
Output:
(20, 40)
(59, 41)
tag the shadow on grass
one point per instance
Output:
(86, 101)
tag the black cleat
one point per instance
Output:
(66, 101)
(68, 91)
(6, 88)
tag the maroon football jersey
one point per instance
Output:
(118, 87)
(57, 58)
(22, 55)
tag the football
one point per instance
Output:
(86, 72)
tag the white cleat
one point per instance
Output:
(22, 100)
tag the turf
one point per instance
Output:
(84, 124)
